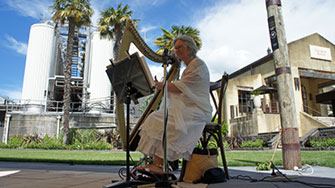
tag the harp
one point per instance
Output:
(131, 35)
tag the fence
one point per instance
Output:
(101, 105)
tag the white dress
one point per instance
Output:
(188, 113)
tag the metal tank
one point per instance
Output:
(99, 87)
(40, 57)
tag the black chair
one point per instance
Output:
(212, 129)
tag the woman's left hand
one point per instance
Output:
(159, 85)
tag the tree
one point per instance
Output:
(112, 24)
(75, 13)
(166, 41)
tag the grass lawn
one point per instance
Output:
(234, 158)
(252, 158)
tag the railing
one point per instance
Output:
(100, 105)
(271, 108)
(244, 110)
(313, 110)
(240, 110)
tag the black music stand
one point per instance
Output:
(130, 81)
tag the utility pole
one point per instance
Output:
(289, 123)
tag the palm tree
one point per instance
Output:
(112, 24)
(75, 13)
(166, 40)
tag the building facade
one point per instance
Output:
(312, 61)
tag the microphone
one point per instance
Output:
(166, 58)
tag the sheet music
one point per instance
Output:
(146, 70)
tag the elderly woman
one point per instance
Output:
(188, 111)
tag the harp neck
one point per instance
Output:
(131, 35)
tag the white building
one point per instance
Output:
(43, 84)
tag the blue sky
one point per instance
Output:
(234, 32)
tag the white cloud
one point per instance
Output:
(19, 47)
(137, 6)
(157, 70)
(15, 93)
(148, 28)
(234, 35)
(302, 18)
(38, 9)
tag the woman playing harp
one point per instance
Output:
(188, 106)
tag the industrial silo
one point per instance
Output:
(99, 87)
(40, 56)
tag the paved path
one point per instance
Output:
(55, 175)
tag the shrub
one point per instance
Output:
(252, 144)
(325, 142)
(32, 145)
(14, 142)
(51, 143)
(85, 135)
(84, 140)
(225, 145)
(263, 166)
(31, 138)
(98, 146)
(75, 146)
(224, 127)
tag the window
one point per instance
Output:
(304, 98)
(244, 102)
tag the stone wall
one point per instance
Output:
(42, 124)
(21, 124)
(242, 126)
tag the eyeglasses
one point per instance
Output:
(179, 47)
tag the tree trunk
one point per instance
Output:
(67, 82)
(117, 44)
(119, 105)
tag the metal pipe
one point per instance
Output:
(86, 68)
(7, 127)
(58, 125)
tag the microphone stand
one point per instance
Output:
(128, 182)
(165, 181)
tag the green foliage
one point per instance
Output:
(82, 139)
(212, 143)
(14, 142)
(225, 145)
(34, 142)
(224, 127)
(90, 146)
(263, 166)
(98, 146)
(80, 11)
(146, 102)
(85, 136)
(325, 142)
(252, 144)
(113, 21)
(167, 38)
(52, 143)
(256, 93)
(241, 158)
